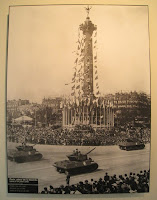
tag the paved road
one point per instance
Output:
(109, 158)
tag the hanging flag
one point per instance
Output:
(80, 68)
(86, 72)
(82, 41)
(79, 74)
(103, 104)
(85, 101)
(82, 59)
(97, 103)
(78, 87)
(79, 92)
(88, 80)
(61, 104)
(96, 78)
(95, 57)
(81, 56)
(74, 74)
(89, 87)
(72, 94)
(78, 32)
(108, 102)
(69, 106)
(88, 103)
(95, 34)
(79, 63)
(76, 60)
(77, 102)
(96, 72)
(95, 42)
(78, 41)
(93, 101)
(73, 79)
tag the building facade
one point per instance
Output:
(53, 103)
(13, 105)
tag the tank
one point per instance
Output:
(77, 163)
(131, 144)
(24, 153)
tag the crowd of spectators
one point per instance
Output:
(51, 136)
(132, 183)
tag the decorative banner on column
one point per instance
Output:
(95, 68)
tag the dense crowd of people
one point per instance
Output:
(132, 183)
(48, 135)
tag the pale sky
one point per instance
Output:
(42, 39)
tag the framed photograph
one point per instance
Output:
(78, 99)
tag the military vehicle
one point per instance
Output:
(78, 163)
(131, 144)
(24, 153)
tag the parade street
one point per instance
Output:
(109, 158)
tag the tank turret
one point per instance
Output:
(78, 156)
(78, 163)
(25, 147)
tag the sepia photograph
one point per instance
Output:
(78, 99)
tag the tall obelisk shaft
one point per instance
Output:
(88, 27)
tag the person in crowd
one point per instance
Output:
(68, 179)
(106, 177)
